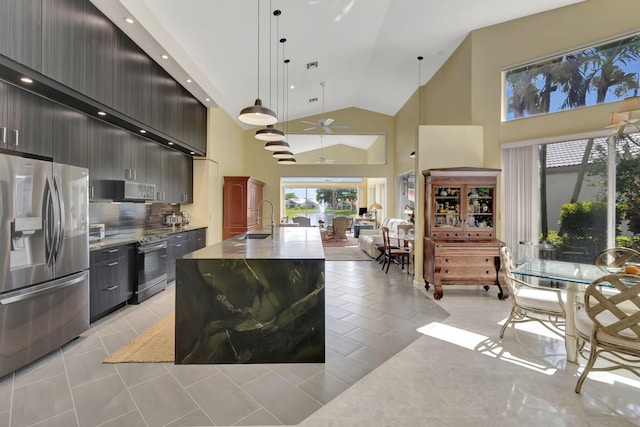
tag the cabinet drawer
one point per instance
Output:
(467, 261)
(469, 273)
(106, 254)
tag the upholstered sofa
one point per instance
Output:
(368, 239)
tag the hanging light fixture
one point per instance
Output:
(257, 114)
(291, 161)
(285, 157)
(277, 146)
(271, 133)
(420, 58)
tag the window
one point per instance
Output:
(604, 73)
(570, 206)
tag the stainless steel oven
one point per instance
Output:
(151, 267)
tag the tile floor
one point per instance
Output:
(380, 371)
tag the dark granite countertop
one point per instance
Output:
(133, 235)
(285, 243)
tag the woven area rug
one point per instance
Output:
(346, 253)
(351, 241)
(155, 345)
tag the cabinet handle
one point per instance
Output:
(112, 288)
(91, 191)
(112, 264)
(135, 174)
(16, 139)
(112, 251)
(178, 245)
(4, 135)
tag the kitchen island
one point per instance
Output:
(252, 299)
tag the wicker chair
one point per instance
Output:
(617, 257)
(340, 227)
(610, 323)
(532, 303)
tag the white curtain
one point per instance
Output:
(521, 196)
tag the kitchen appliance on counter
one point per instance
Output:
(172, 220)
(185, 217)
(151, 267)
(96, 232)
(44, 267)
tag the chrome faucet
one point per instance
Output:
(273, 224)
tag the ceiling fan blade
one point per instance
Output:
(309, 128)
(328, 130)
(308, 123)
(340, 127)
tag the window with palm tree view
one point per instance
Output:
(595, 75)
(320, 199)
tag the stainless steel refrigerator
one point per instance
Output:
(44, 258)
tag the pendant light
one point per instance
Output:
(275, 136)
(257, 114)
(271, 133)
(420, 58)
(285, 157)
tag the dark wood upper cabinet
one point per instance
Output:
(106, 162)
(21, 31)
(166, 113)
(133, 80)
(192, 121)
(70, 131)
(26, 121)
(62, 42)
(98, 51)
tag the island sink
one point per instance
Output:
(253, 236)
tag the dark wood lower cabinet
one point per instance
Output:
(112, 274)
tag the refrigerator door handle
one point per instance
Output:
(45, 288)
(59, 221)
(48, 224)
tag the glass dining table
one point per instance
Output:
(576, 277)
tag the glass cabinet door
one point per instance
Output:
(480, 207)
(446, 206)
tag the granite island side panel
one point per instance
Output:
(252, 300)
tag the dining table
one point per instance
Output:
(576, 277)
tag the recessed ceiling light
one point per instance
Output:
(189, 80)
(207, 99)
(292, 87)
(129, 20)
(143, 131)
(26, 80)
(102, 113)
(170, 143)
(192, 152)
(164, 56)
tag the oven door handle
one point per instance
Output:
(152, 248)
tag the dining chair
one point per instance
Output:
(610, 324)
(340, 226)
(397, 255)
(302, 221)
(617, 257)
(532, 303)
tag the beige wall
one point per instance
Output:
(467, 90)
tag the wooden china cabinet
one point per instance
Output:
(241, 200)
(460, 245)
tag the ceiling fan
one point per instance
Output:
(325, 124)
(323, 160)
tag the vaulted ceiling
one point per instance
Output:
(366, 50)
